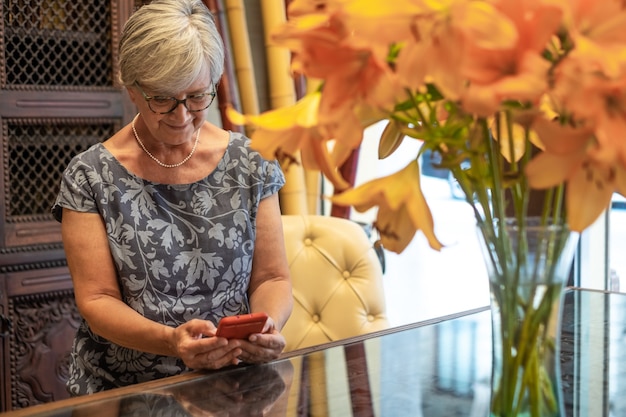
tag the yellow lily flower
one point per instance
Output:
(281, 133)
(402, 208)
(324, 143)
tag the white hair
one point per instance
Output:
(167, 44)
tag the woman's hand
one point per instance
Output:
(261, 347)
(195, 343)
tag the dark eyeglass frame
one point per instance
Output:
(175, 101)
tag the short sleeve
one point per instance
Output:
(274, 178)
(76, 191)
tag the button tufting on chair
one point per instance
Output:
(337, 281)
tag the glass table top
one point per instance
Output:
(441, 367)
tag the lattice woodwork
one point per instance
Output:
(56, 44)
(35, 153)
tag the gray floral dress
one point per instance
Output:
(181, 251)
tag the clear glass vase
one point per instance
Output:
(528, 265)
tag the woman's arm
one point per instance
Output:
(270, 283)
(100, 302)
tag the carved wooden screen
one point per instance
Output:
(59, 96)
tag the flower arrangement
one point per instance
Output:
(514, 95)
(525, 103)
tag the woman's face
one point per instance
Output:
(179, 125)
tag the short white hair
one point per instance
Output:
(166, 45)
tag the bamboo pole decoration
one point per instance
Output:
(312, 178)
(312, 183)
(227, 94)
(282, 89)
(242, 56)
(282, 93)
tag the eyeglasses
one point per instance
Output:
(164, 104)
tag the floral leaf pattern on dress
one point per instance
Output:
(181, 251)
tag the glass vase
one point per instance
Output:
(528, 265)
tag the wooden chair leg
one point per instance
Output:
(358, 378)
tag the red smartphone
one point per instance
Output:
(241, 326)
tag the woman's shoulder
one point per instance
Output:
(96, 163)
(243, 156)
(238, 139)
(91, 155)
(241, 145)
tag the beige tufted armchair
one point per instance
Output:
(337, 281)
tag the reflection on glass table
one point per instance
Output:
(440, 367)
(233, 392)
(617, 244)
(452, 377)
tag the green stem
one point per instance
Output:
(525, 334)
(525, 366)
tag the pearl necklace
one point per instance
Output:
(154, 158)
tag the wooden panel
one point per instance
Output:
(59, 94)
(22, 234)
(43, 328)
(37, 281)
(53, 104)
(5, 380)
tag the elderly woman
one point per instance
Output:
(172, 223)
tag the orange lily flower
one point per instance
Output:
(364, 19)
(442, 35)
(402, 208)
(303, 7)
(527, 84)
(515, 73)
(597, 99)
(518, 72)
(597, 30)
(590, 183)
(324, 48)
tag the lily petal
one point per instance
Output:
(402, 208)
(548, 170)
(585, 200)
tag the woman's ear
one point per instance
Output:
(133, 94)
